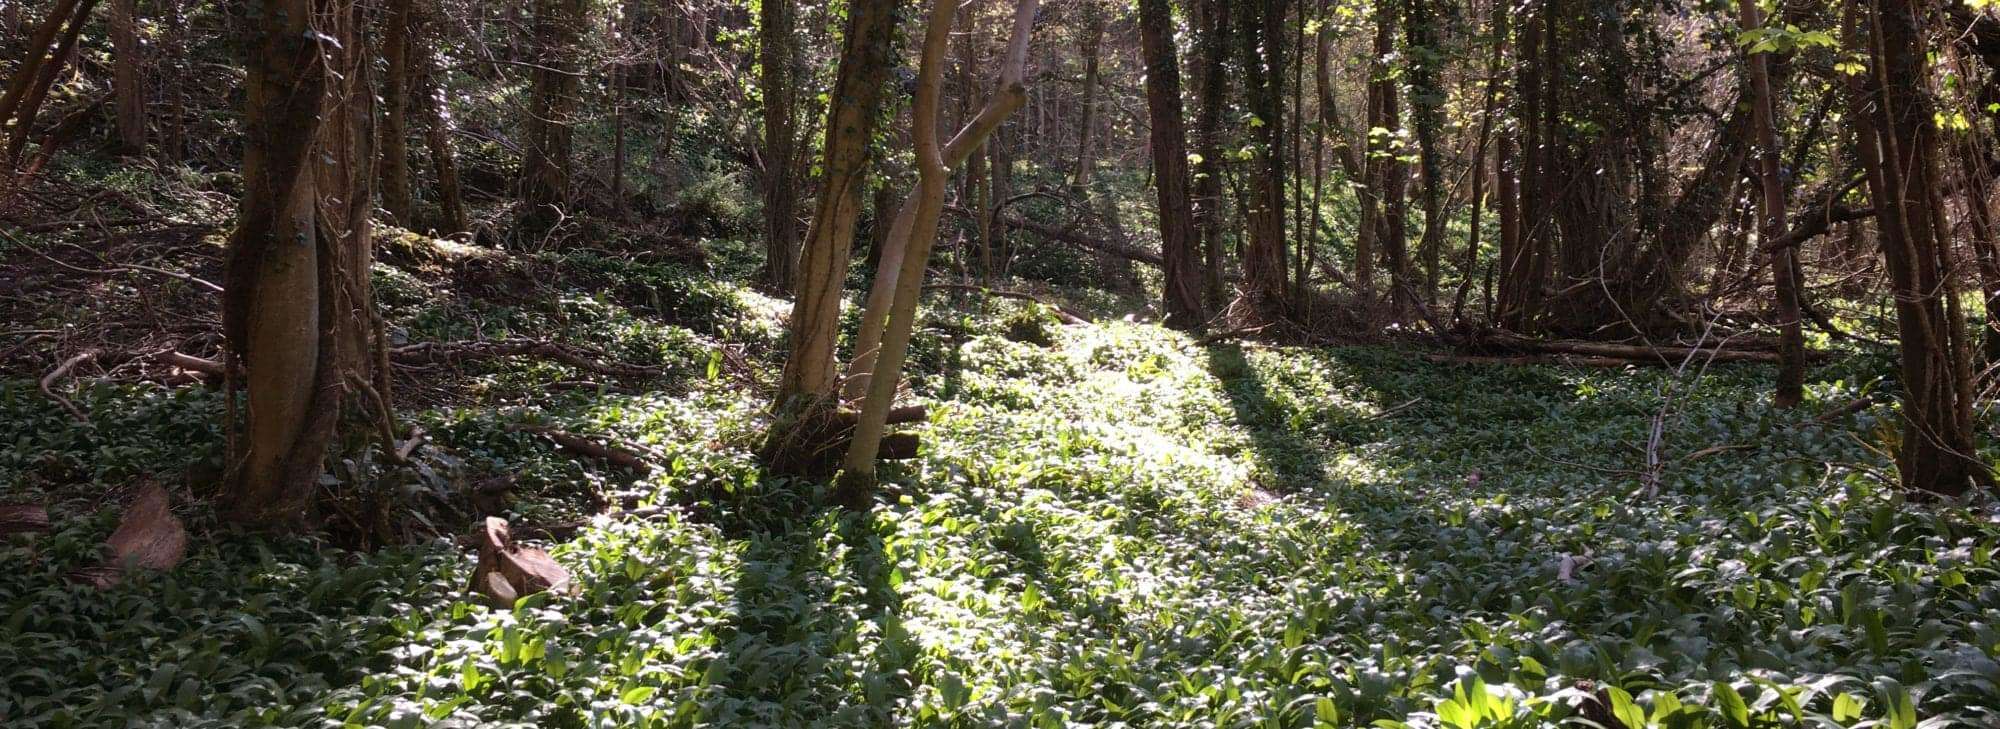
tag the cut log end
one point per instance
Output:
(507, 571)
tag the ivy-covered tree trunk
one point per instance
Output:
(1263, 46)
(1181, 264)
(1427, 115)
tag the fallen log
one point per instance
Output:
(1669, 356)
(592, 449)
(1123, 250)
(445, 352)
(1067, 316)
(23, 519)
(1536, 359)
(1638, 353)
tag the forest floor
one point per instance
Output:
(1109, 523)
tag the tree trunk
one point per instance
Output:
(1427, 113)
(277, 318)
(1898, 146)
(437, 132)
(1784, 264)
(1211, 51)
(1086, 143)
(804, 432)
(911, 252)
(552, 102)
(397, 45)
(1393, 175)
(36, 54)
(1181, 283)
(1523, 274)
(776, 58)
(128, 76)
(1264, 252)
(45, 73)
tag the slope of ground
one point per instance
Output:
(1109, 524)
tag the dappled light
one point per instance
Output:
(1287, 364)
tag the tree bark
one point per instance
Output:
(1784, 264)
(1898, 146)
(397, 45)
(804, 429)
(128, 69)
(275, 314)
(884, 369)
(552, 102)
(776, 57)
(1181, 284)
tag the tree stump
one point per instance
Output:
(508, 572)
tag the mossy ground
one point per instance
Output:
(1108, 525)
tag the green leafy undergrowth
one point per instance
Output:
(1109, 526)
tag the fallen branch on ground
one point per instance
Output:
(1536, 359)
(1067, 316)
(592, 449)
(1639, 353)
(451, 352)
(61, 371)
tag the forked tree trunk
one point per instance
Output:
(1784, 263)
(804, 436)
(128, 71)
(906, 233)
(776, 56)
(1181, 269)
(28, 104)
(1898, 147)
(909, 253)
